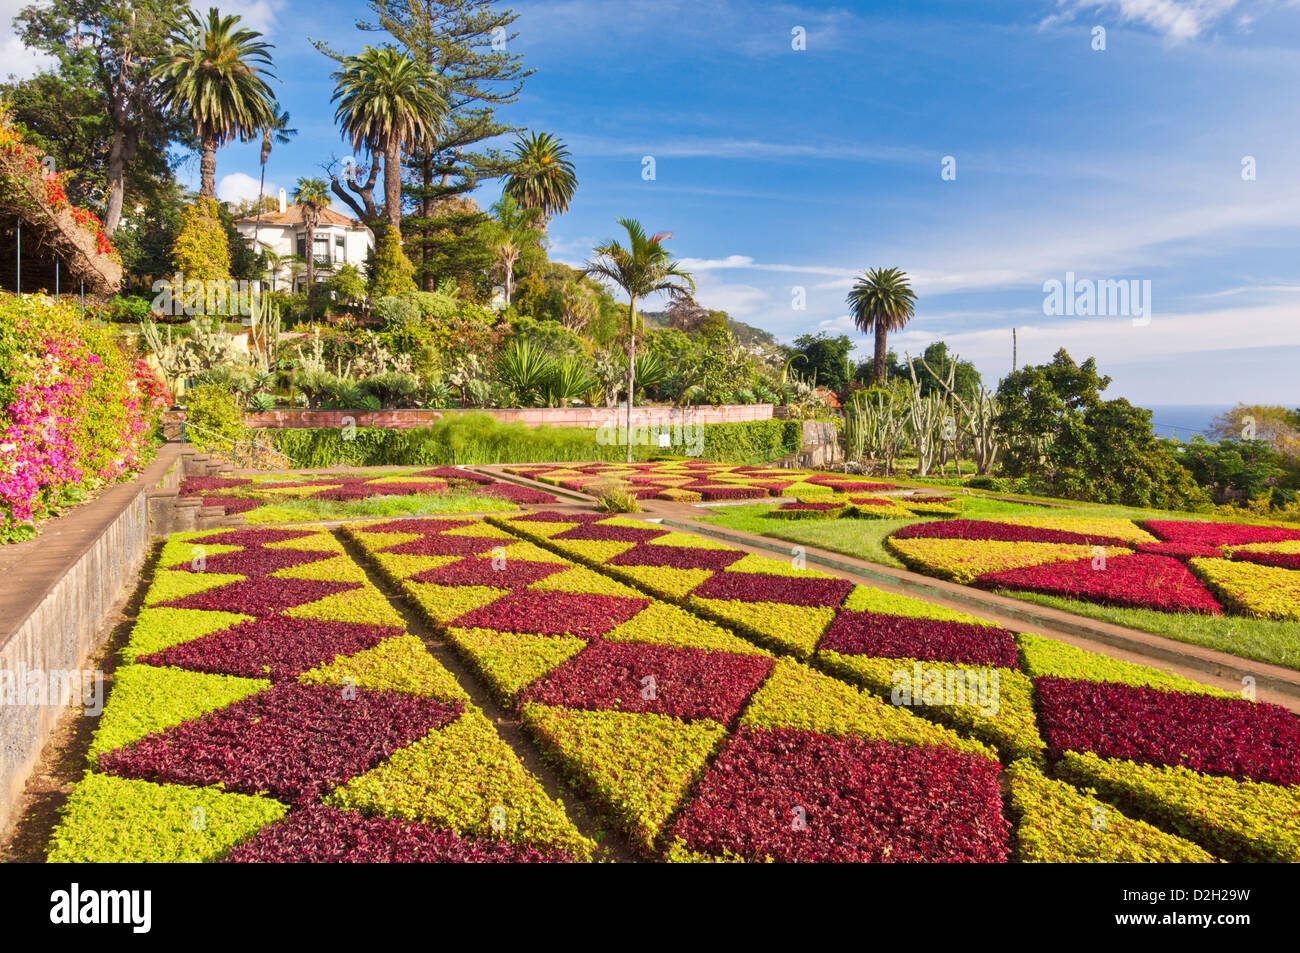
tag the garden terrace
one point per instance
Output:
(708, 703)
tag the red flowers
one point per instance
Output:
(317, 834)
(503, 574)
(990, 529)
(763, 587)
(798, 796)
(1138, 581)
(676, 557)
(1217, 534)
(1228, 736)
(622, 534)
(264, 596)
(904, 637)
(292, 741)
(683, 682)
(278, 647)
(553, 613)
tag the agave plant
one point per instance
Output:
(524, 370)
(569, 380)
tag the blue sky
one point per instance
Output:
(778, 169)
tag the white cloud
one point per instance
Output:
(1176, 20)
(238, 187)
(18, 60)
(259, 15)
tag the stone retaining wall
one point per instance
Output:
(57, 593)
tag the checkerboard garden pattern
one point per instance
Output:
(265, 500)
(1166, 565)
(271, 706)
(693, 481)
(1204, 767)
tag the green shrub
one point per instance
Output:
(216, 409)
(480, 439)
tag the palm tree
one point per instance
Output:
(387, 100)
(513, 234)
(881, 301)
(543, 177)
(641, 268)
(213, 74)
(277, 130)
(314, 197)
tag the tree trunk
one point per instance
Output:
(878, 370)
(311, 257)
(393, 184)
(257, 229)
(208, 168)
(118, 156)
(631, 371)
(426, 211)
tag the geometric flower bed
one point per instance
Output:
(306, 727)
(695, 480)
(658, 714)
(1164, 565)
(712, 704)
(270, 499)
(1184, 771)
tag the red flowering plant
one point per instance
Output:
(74, 413)
(1136, 581)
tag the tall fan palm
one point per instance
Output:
(277, 130)
(641, 268)
(543, 177)
(387, 100)
(881, 301)
(314, 197)
(214, 75)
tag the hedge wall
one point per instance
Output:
(480, 438)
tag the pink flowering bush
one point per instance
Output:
(75, 413)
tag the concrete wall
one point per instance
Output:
(592, 417)
(57, 594)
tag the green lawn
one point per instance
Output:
(1266, 640)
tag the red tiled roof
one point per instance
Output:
(293, 216)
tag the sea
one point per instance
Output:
(1183, 421)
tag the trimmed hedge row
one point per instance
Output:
(482, 439)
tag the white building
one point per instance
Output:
(339, 241)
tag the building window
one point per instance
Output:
(340, 249)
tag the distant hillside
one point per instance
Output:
(745, 333)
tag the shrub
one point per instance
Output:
(216, 409)
(202, 251)
(74, 412)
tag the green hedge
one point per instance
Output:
(481, 438)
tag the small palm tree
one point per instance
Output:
(881, 301)
(543, 177)
(387, 100)
(314, 197)
(642, 268)
(214, 75)
(277, 130)
(513, 235)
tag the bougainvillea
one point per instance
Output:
(1228, 736)
(1138, 581)
(75, 414)
(798, 796)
